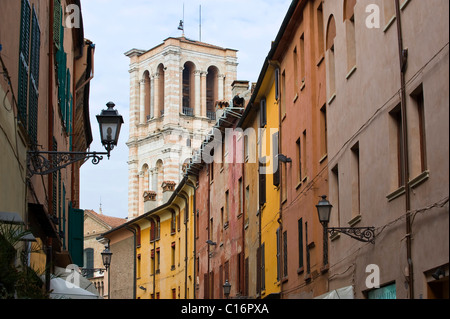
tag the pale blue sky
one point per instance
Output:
(116, 26)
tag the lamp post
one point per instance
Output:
(44, 162)
(364, 234)
(226, 289)
(106, 259)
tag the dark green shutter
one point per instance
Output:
(76, 235)
(57, 22)
(23, 61)
(34, 79)
(275, 152)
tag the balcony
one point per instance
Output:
(188, 111)
(211, 115)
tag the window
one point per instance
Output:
(247, 200)
(418, 138)
(241, 197)
(188, 89)
(302, 59)
(278, 237)
(397, 141)
(29, 60)
(263, 267)
(331, 35)
(334, 182)
(323, 131)
(227, 208)
(173, 223)
(320, 29)
(138, 266)
(160, 83)
(262, 185)
(349, 21)
(389, 11)
(211, 90)
(172, 256)
(356, 191)
(147, 96)
(300, 243)
(285, 255)
(263, 113)
(277, 84)
(283, 94)
(304, 167)
(299, 160)
(138, 236)
(295, 60)
(275, 152)
(158, 260)
(89, 262)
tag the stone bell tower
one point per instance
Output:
(173, 91)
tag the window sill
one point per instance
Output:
(422, 177)
(323, 158)
(332, 98)
(321, 59)
(302, 86)
(298, 185)
(295, 98)
(300, 270)
(350, 73)
(397, 193)
(355, 220)
(335, 236)
(390, 22)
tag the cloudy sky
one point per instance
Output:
(116, 26)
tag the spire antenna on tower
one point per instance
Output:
(181, 26)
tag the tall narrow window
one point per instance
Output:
(300, 243)
(173, 256)
(299, 160)
(389, 11)
(278, 237)
(302, 59)
(397, 141)
(349, 21)
(418, 140)
(263, 113)
(188, 89)
(241, 197)
(283, 93)
(295, 63)
(275, 152)
(331, 35)
(227, 207)
(356, 181)
(161, 90)
(211, 90)
(147, 95)
(304, 167)
(262, 185)
(323, 131)
(263, 267)
(285, 254)
(335, 191)
(320, 32)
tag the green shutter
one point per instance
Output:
(57, 22)
(23, 61)
(76, 235)
(34, 79)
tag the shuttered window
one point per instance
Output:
(29, 56)
(275, 152)
(76, 235)
(34, 79)
(24, 56)
(57, 22)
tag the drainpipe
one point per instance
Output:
(188, 183)
(209, 230)
(243, 231)
(131, 229)
(403, 56)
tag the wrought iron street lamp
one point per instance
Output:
(44, 163)
(226, 288)
(364, 234)
(106, 257)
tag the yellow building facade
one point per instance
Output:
(164, 258)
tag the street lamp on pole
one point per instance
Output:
(46, 162)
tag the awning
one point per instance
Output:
(15, 219)
(341, 293)
(62, 289)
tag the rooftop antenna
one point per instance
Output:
(200, 30)
(101, 211)
(181, 26)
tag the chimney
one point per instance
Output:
(149, 201)
(168, 189)
(239, 87)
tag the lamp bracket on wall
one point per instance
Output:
(363, 234)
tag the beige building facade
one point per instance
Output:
(387, 115)
(173, 91)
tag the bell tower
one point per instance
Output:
(173, 91)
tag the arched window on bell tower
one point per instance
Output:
(188, 89)
(212, 90)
